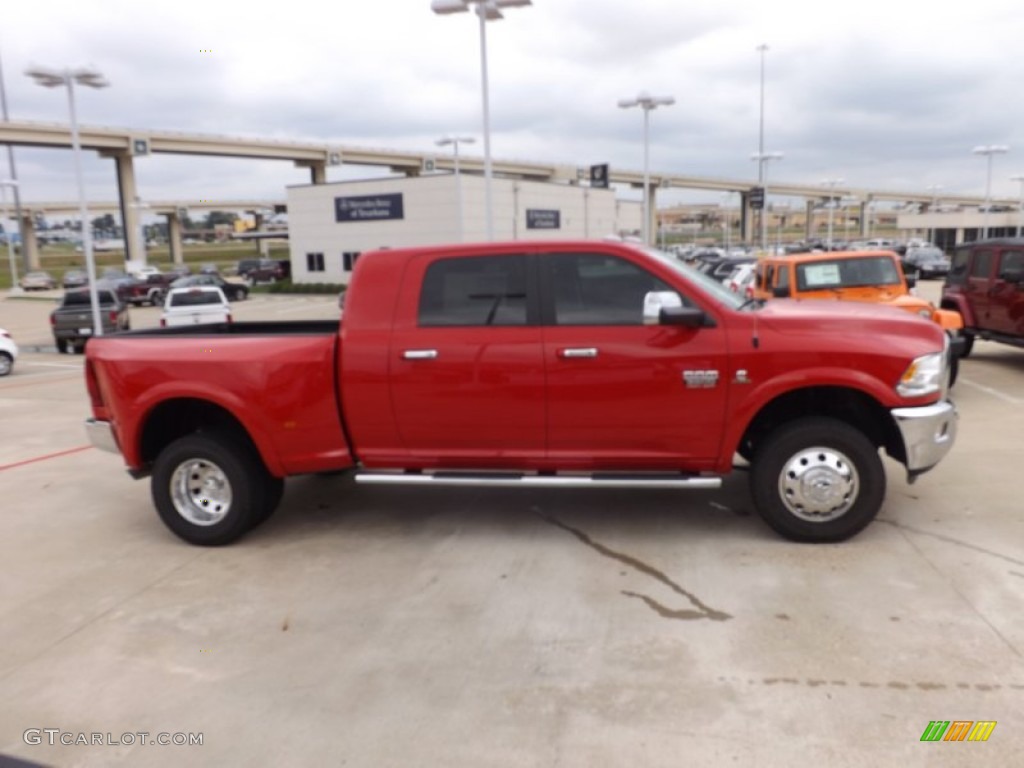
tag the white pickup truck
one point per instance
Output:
(200, 304)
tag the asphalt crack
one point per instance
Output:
(699, 610)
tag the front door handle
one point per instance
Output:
(419, 354)
(578, 352)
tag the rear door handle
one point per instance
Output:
(578, 352)
(419, 354)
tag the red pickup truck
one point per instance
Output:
(556, 364)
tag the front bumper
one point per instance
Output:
(101, 435)
(928, 431)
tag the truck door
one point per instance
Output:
(466, 362)
(1006, 296)
(620, 393)
(979, 284)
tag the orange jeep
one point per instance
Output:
(871, 276)
(868, 276)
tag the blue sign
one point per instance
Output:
(369, 207)
(541, 219)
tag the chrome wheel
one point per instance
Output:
(819, 484)
(200, 492)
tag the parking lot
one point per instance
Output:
(368, 626)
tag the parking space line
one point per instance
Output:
(991, 391)
(51, 377)
(45, 457)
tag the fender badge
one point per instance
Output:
(741, 377)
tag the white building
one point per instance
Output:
(329, 225)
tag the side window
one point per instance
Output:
(958, 266)
(981, 265)
(593, 289)
(479, 290)
(782, 279)
(1011, 263)
(769, 277)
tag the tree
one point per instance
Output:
(213, 218)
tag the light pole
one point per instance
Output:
(761, 49)
(1020, 206)
(988, 150)
(763, 158)
(647, 102)
(454, 141)
(4, 184)
(52, 78)
(934, 189)
(726, 197)
(486, 10)
(831, 184)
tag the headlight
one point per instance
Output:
(923, 376)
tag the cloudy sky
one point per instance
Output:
(883, 94)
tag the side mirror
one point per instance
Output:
(1015, 276)
(666, 308)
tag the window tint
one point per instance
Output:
(958, 266)
(981, 266)
(195, 298)
(782, 281)
(1012, 262)
(599, 290)
(484, 290)
(78, 298)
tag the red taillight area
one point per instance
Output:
(92, 384)
(230, 318)
(53, 318)
(113, 316)
(163, 322)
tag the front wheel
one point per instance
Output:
(968, 344)
(6, 363)
(817, 480)
(209, 488)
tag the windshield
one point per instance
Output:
(709, 285)
(847, 273)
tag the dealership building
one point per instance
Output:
(330, 225)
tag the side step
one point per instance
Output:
(672, 480)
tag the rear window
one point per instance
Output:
(81, 298)
(195, 298)
(847, 273)
(487, 290)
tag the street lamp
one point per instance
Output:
(647, 102)
(988, 150)
(831, 184)
(934, 189)
(4, 184)
(52, 78)
(486, 10)
(763, 158)
(1020, 205)
(454, 141)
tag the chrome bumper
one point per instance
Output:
(101, 435)
(928, 432)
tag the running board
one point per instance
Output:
(513, 480)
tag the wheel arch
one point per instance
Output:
(852, 406)
(178, 417)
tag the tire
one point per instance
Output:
(62, 346)
(273, 490)
(954, 369)
(6, 364)
(78, 348)
(208, 488)
(817, 480)
(968, 344)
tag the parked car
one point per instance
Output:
(985, 285)
(741, 280)
(233, 291)
(179, 270)
(260, 270)
(142, 272)
(151, 289)
(927, 261)
(8, 353)
(75, 278)
(208, 269)
(38, 281)
(196, 305)
(72, 321)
